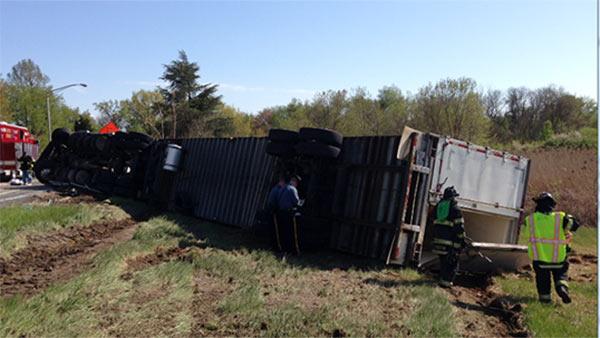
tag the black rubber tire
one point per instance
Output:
(82, 177)
(283, 135)
(71, 175)
(77, 139)
(140, 136)
(325, 136)
(130, 141)
(60, 135)
(101, 143)
(280, 149)
(315, 149)
(62, 175)
(89, 143)
(104, 177)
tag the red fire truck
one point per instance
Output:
(14, 141)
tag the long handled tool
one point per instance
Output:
(479, 253)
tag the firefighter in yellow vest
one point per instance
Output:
(549, 234)
(448, 236)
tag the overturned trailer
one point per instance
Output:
(398, 227)
(373, 200)
(369, 196)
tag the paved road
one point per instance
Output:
(11, 194)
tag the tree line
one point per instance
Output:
(186, 107)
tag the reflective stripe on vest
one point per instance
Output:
(532, 238)
(545, 246)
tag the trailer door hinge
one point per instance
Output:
(411, 227)
(419, 168)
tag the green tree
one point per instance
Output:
(451, 107)
(27, 93)
(27, 74)
(192, 106)
(85, 121)
(327, 109)
(111, 110)
(6, 113)
(547, 131)
(144, 112)
(394, 106)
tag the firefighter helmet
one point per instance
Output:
(450, 192)
(545, 199)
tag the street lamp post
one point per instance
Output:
(48, 103)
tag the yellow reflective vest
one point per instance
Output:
(547, 242)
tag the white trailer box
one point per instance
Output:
(492, 187)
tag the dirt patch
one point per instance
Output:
(160, 255)
(56, 197)
(484, 311)
(59, 255)
(208, 292)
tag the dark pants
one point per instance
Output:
(543, 281)
(286, 231)
(448, 265)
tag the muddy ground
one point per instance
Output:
(59, 255)
(481, 308)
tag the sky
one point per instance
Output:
(263, 54)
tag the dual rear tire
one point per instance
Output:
(309, 142)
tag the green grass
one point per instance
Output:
(17, 222)
(260, 293)
(578, 319)
(99, 302)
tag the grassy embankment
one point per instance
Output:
(226, 285)
(19, 221)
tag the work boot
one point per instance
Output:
(563, 293)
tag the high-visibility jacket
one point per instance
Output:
(448, 231)
(547, 241)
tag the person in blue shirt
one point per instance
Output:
(284, 216)
(273, 199)
(288, 195)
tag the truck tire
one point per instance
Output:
(71, 175)
(132, 141)
(140, 136)
(280, 149)
(326, 136)
(103, 177)
(283, 135)
(76, 140)
(101, 143)
(82, 177)
(60, 135)
(316, 149)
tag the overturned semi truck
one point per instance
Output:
(369, 196)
